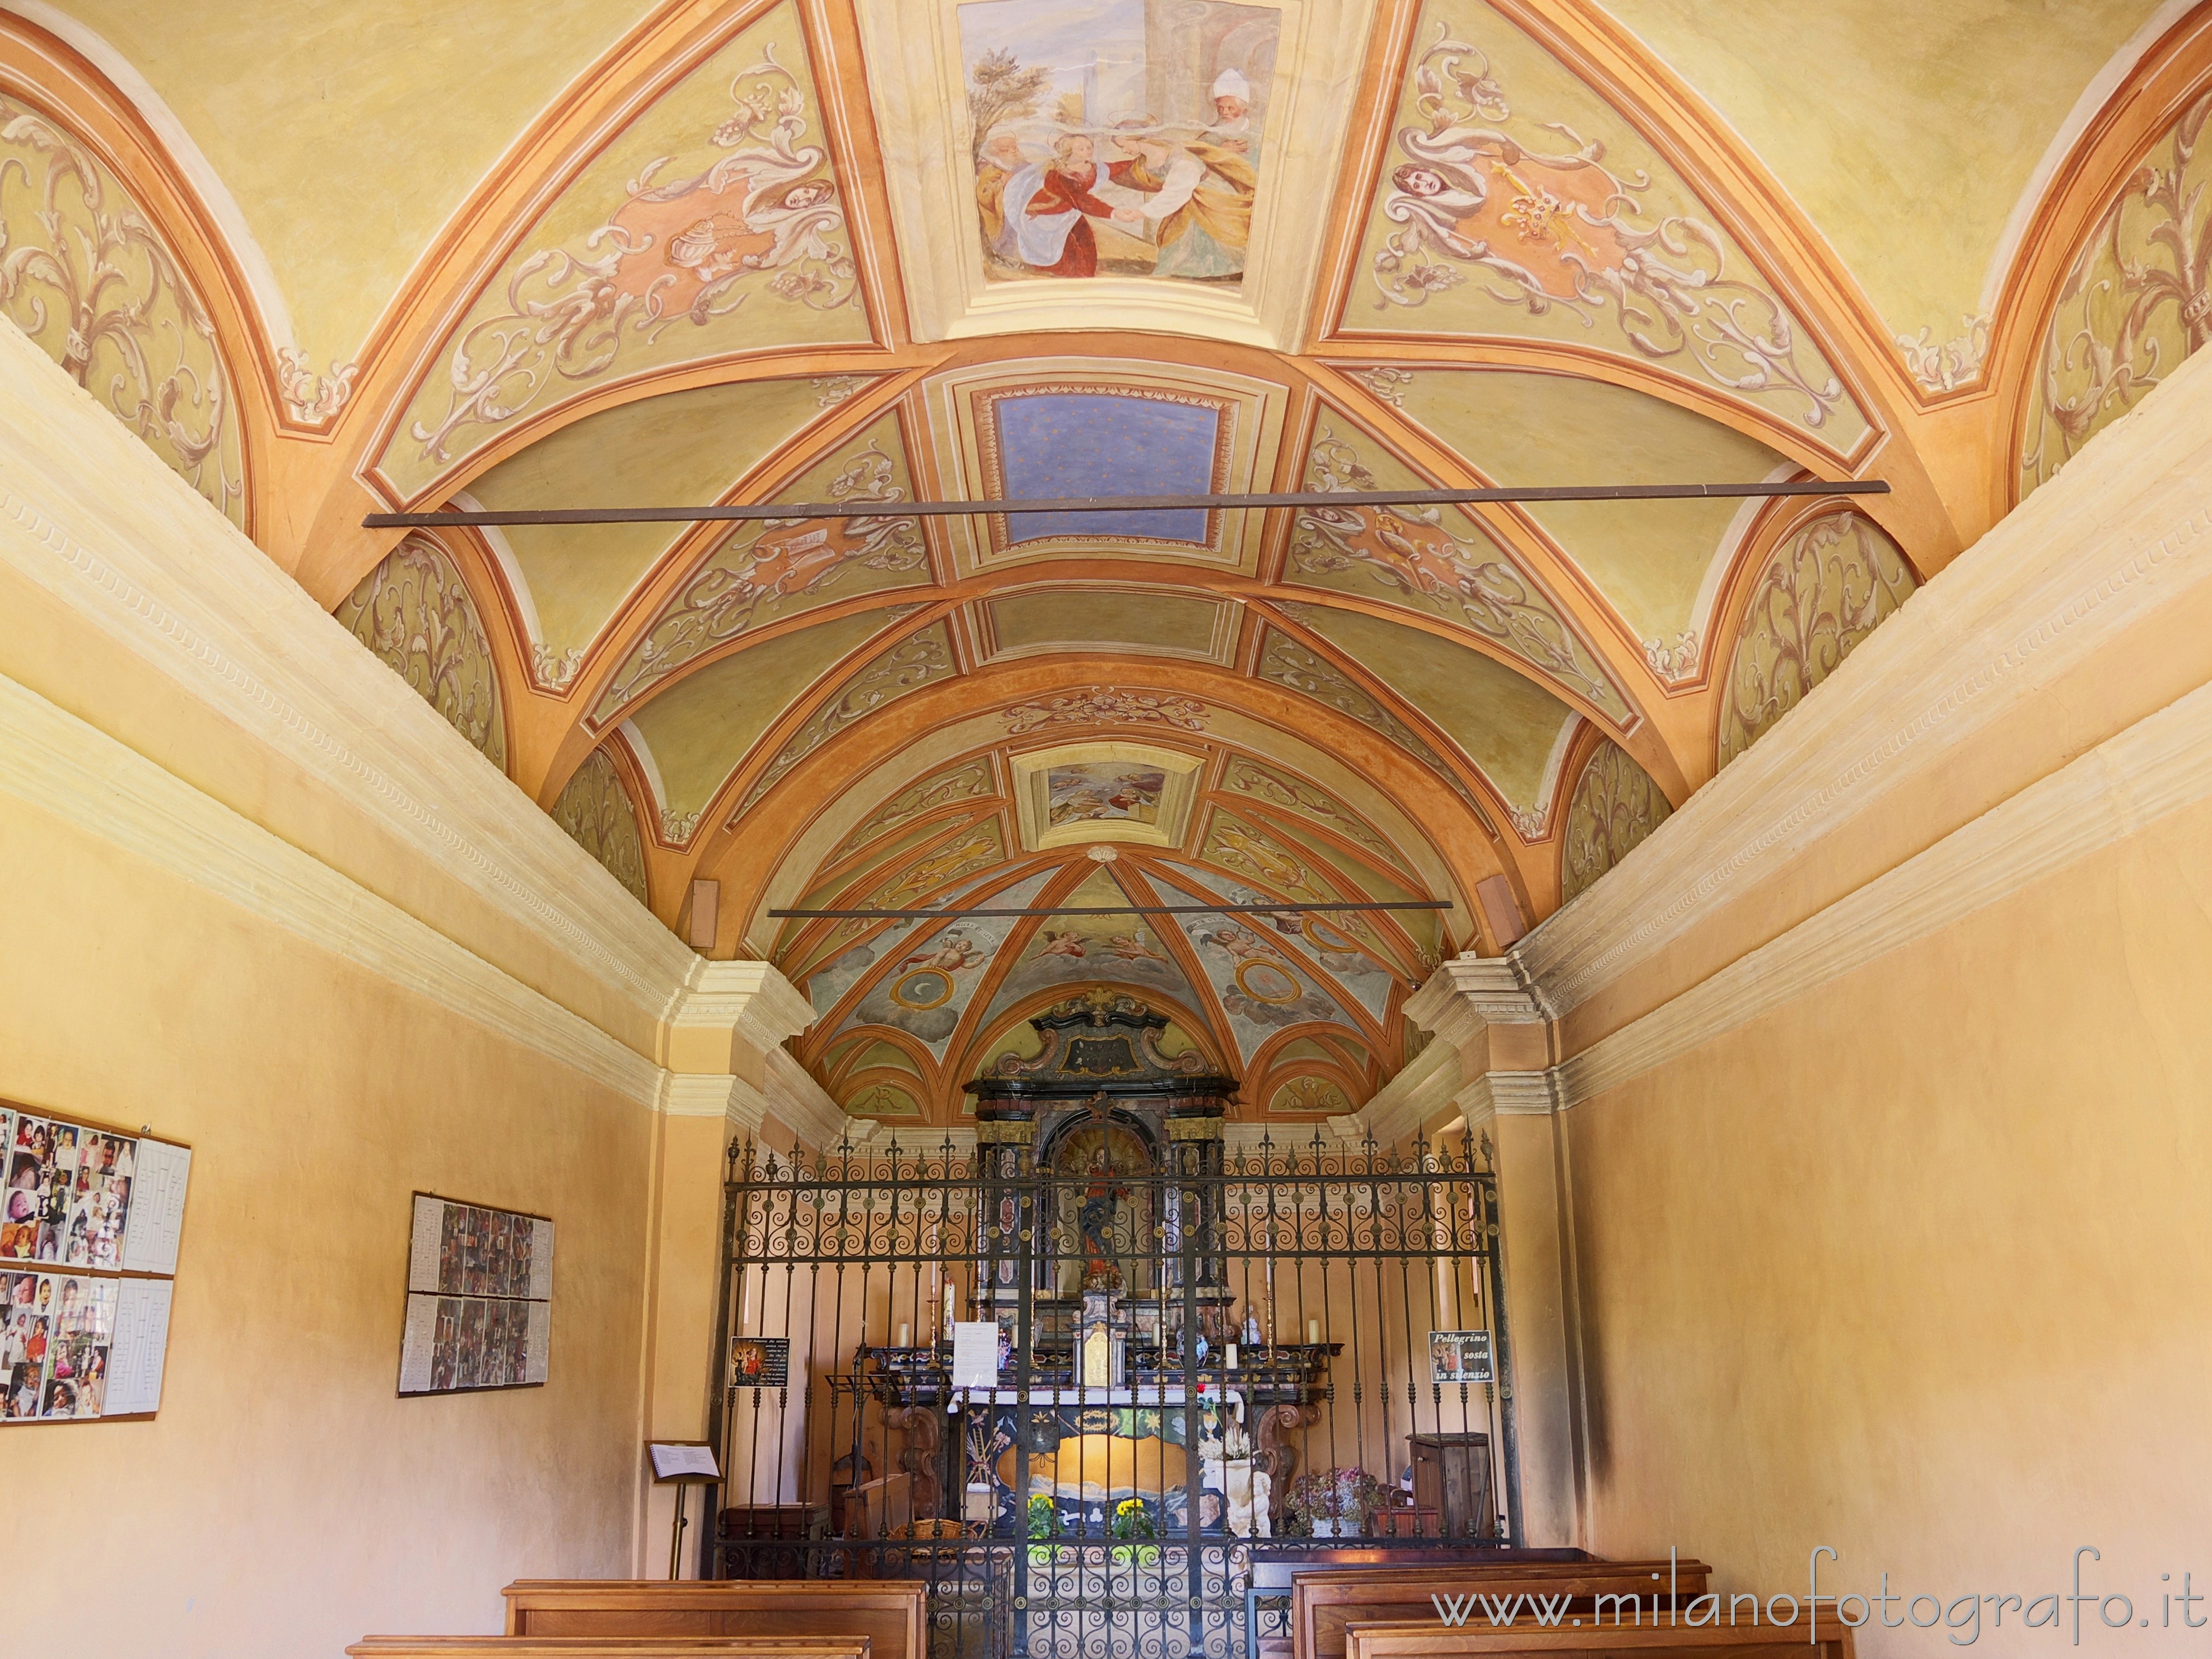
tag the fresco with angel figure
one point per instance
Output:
(1117, 138)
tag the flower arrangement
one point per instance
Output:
(1332, 1498)
(1131, 1519)
(1044, 1516)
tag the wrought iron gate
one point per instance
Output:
(1189, 1337)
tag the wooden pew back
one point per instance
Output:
(1323, 1604)
(1826, 1639)
(890, 1613)
(610, 1647)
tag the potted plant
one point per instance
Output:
(1134, 1519)
(1043, 1522)
(1333, 1503)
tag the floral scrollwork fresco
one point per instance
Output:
(1293, 794)
(1823, 591)
(787, 559)
(597, 813)
(1407, 551)
(85, 273)
(2136, 300)
(1614, 807)
(414, 612)
(685, 249)
(1522, 209)
(911, 664)
(1287, 663)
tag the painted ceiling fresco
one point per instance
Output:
(935, 1001)
(1117, 138)
(875, 253)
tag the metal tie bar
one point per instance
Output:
(1115, 910)
(1656, 492)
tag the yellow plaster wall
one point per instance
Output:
(285, 1501)
(1916, 1266)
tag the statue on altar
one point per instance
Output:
(1102, 1197)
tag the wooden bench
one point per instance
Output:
(890, 1613)
(610, 1647)
(1274, 1564)
(1826, 1639)
(1324, 1602)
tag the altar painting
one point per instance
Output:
(1116, 137)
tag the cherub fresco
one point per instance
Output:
(948, 953)
(1117, 138)
(1060, 942)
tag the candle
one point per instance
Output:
(1232, 1356)
(906, 1334)
(1313, 1332)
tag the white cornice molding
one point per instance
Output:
(1509, 1094)
(1494, 989)
(1425, 1086)
(2120, 533)
(58, 764)
(89, 515)
(802, 1104)
(749, 998)
(2157, 766)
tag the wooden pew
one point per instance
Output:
(1324, 1602)
(890, 1613)
(610, 1647)
(1826, 1639)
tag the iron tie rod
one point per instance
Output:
(1531, 492)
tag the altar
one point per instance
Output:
(1140, 1394)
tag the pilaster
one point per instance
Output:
(726, 1078)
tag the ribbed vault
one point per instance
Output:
(746, 251)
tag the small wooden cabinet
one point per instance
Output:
(1451, 1479)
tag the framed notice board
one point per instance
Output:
(479, 1298)
(90, 1220)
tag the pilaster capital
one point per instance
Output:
(712, 1094)
(750, 1000)
(1509, 1094)
(1468, 993)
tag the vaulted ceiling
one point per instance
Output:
(419, 254)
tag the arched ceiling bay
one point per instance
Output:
(874, 252)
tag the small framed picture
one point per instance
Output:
(760, 1362)
(1459, 1356)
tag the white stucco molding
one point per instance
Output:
(57, 763)
(801, 1103)
(1509, 1094)
(2123, 532)
(750, 1000)
(90, 516)
(2157, 766)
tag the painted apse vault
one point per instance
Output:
(807, 251)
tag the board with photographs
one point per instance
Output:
(479, 1298)
(90, 1224)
